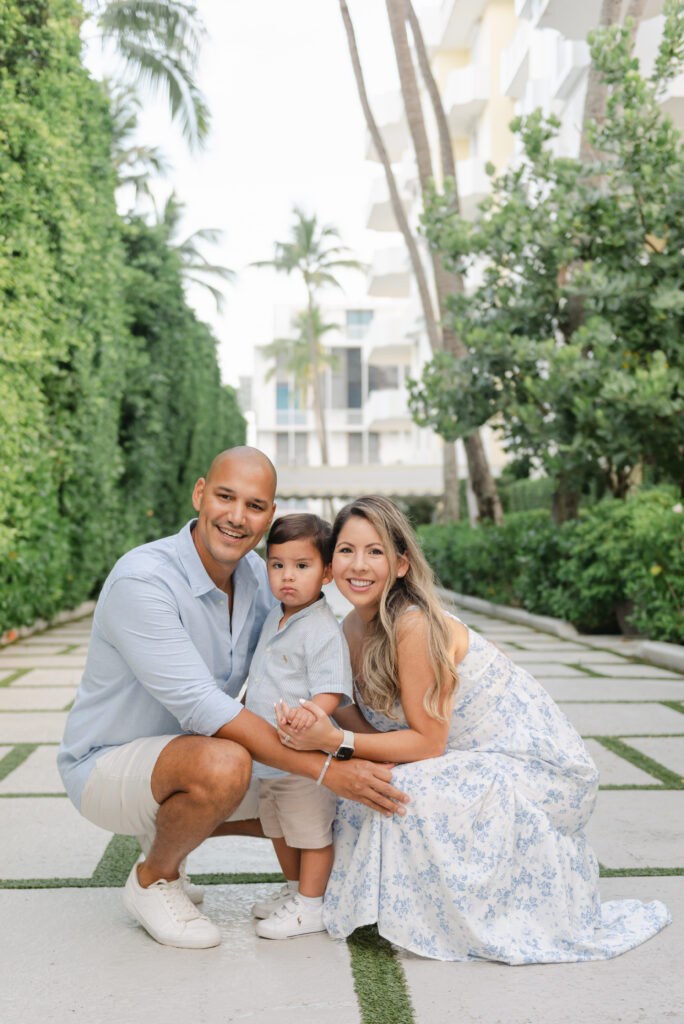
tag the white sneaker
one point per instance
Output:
(290, 919)
(165, 911)
(264, 908)
(195, 892)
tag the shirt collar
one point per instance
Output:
(199, 579)
(303, 612)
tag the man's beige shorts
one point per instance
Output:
(118, 793)
(297, 810)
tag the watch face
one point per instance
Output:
(344, 753)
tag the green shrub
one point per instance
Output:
(617, 557)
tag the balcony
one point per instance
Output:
(386, 342)
(390, 275)
(380, 212)
(515, 62)
(573, 19)
(572, 57)
(465, 97)
(387, 409)
(523, 8)
(473, 186)
(455, 22)
(673, 101)
(388, 111)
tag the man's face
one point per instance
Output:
(235, 507)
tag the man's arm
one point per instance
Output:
(363, 781)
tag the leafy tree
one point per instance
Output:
(575, 329)
(159, 41)
(313, 253)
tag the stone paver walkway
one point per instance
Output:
(70, 952)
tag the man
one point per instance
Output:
(156, 744)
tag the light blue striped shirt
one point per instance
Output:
(165, 656)
(309, 655)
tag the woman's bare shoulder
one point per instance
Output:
(412, 626)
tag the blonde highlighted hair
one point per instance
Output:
(416, 588)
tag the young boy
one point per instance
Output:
(301, 653)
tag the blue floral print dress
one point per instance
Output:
(490, 861)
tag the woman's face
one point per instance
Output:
(360, 566)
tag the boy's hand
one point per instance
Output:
(301, 719)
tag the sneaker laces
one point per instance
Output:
(179, 904)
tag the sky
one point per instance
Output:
(287, 128)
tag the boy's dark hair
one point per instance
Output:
(298, 525)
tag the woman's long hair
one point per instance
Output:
(380, 687)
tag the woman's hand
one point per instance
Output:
(320, 735)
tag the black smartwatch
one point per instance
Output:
(346, 747)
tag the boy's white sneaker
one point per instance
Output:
(165, 911)
(290, 919)
(264, 908)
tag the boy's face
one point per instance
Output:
(296, 573)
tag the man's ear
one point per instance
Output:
(197, 493)
(327, 575)
(403, 566)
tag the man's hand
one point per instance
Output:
(368, 783)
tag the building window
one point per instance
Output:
(358, 322)
(301, 456)
(383, 377)
(373, 448)
(282, 449)
(354, 449)
(346, 390)
(353, 378)
(282, 395)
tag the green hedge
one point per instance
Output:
(110, 397)
(618, 559)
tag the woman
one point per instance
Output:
(490, 861)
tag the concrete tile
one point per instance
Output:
(633, 828)
(666, 750)
(4, 750)
(75, 955)
(551, 643)
(41, 698)
(615, 771)
(548, 670)
(5, 674)
(46, 837)
(619, 991)
(623, 719)
(614, 689)
(28, 649)
(223, 854)
(50, 677)
(553, 657)
(598, 659)
(30, 660)
(625, 670)
(37, 774)
(48, 727)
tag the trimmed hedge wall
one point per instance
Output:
(110, 397)
(619, 562)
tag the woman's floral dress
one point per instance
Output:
(490, 861)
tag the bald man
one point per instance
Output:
(156, 744)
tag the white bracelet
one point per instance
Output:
(324, 770)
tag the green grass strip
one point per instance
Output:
(670, 779)
(379, 979)
(674, 705)
(638, 872)
(587, 671)
(237, 878)
(116, 862)
(20, 796)
(14, 757)
(14, 675)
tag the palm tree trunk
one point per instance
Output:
(397, 206)
(316, 382)
(597, 90)
(446, 283)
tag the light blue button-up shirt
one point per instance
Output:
(165, 656)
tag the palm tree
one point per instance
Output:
(133, 164)
(313, 253)
(439, 335)
(194, 265)
(159, 41)
(294, 355)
